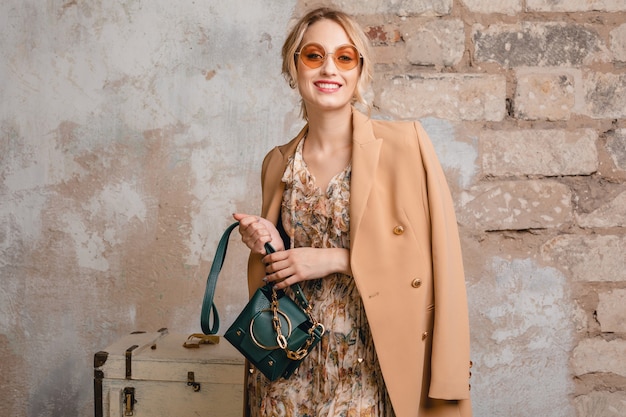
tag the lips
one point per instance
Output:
(327, 85)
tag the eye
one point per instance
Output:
(346, 54)
(313, 53)
(314, 56)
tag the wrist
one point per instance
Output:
(341, 261)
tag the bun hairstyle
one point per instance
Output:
(353, 30)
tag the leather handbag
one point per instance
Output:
(274, 331)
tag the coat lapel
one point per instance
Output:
(365, 153)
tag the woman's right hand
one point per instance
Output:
(256, 232)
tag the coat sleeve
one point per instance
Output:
(256, 269)
(450, 337)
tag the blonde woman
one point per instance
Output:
(361, 216)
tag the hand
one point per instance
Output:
(287, 267)
(256, 232)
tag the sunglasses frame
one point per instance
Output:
(326, 53)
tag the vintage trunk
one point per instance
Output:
(153, 375)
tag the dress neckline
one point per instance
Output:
(311, 180)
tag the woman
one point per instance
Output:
(361, 216)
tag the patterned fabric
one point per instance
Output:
(341, 376)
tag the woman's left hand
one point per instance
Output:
(287, 267)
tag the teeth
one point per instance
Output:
(327, 85)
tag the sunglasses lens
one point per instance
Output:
(313, 55)
(346, 57)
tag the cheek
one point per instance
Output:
(354, 82)
(303, 76)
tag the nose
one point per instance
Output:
(329, 66)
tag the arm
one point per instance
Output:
(287, 267)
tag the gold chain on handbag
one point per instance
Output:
(280, 338)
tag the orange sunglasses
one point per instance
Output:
(346, 57)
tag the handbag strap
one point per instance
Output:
(208, 306)
(209, 317)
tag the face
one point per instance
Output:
(328, 87)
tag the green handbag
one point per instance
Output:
(274, 332)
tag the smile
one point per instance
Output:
(327, 86)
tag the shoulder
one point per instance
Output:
(396, 128)
(279, 155)
(400, 136)
(287, 149)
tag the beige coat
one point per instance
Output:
(406, 260)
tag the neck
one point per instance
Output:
(330, 130)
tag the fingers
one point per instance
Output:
(254, 231)
(280, 280)
(277, 269)
(281, 271)
(245, 219)
(284, 283)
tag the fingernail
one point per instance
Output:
(264, 279)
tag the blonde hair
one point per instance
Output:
(354, 32)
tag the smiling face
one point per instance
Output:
(326, 88)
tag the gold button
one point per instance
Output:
(416, 283)
(424, 335)
(398, 230)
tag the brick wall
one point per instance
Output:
(525, 101)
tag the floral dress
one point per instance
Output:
(341, 376)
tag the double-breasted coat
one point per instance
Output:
(406, 260)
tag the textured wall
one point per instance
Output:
(130, 130)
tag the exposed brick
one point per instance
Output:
(605, 95)
(438, 42)
(539, 152)
(509, 7)
(599, 355)
(515, 205)
(611, 311)
(383, 35)
(575, 5)
(546, 94)
(446, 96)
(618, 43)
(589, 258)
(616, 145)
(601, 403)
(538, 44)
(612, 214)
(400, 8)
